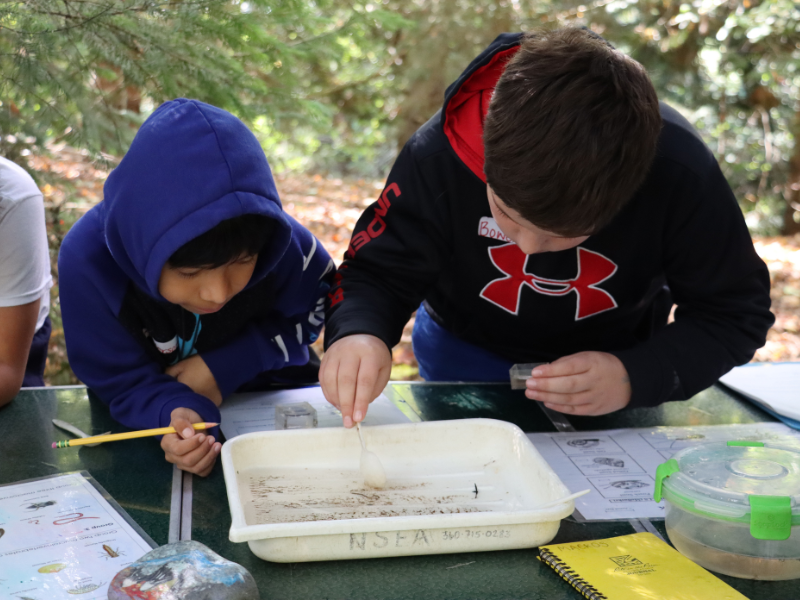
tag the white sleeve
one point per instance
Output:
(24, 256)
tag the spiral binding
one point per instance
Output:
(571, 576)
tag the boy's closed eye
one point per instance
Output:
(189, 273)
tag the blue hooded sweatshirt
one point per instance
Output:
(189, 167)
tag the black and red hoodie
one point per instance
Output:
(431, 237)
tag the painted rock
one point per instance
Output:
(183, 570)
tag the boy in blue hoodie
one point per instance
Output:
(188, 281)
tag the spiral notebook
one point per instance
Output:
(632, 567)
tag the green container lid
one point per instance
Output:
(741, 482)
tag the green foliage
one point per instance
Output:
(733, 68)
(84, 72)
(335, 85)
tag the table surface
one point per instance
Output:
(136, 475)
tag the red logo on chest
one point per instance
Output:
(593, 268)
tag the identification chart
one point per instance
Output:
(60, 538)
(619, 465)
(255, 411)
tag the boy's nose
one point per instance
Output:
(215, 291)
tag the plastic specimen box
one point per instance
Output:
(300, 415)
(520, 373)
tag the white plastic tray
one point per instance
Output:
(297, 495)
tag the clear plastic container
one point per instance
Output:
(734, 508)
(520, 373)
(300, 415)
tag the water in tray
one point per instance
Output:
(298, 495)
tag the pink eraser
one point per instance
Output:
(55, 444)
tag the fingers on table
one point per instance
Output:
(195, 455)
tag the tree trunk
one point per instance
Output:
(791, 216)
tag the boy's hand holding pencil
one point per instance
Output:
(113, 437)
(184, 443)
(190, 450)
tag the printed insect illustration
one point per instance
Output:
(38, 505)
(2, 532)
(109, 552)
(84, 589)
(611, 462)
(628, 484)
(53, 568)
(584, 443)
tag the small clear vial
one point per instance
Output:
(520, 373)
(295, 416)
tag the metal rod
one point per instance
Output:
(186, 507)
(175, 506)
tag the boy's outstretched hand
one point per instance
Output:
(586, 383)
(194, 372)
(190, 450)
(354, 371)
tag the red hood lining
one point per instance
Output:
(466, 110)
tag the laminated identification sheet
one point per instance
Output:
(619, 465)
(60, 538)
(255, 411)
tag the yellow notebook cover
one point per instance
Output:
(633, 567)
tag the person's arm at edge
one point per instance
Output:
(23, 236)
(17, 327)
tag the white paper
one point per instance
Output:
(775, 385)
(60, 538)
(255, 411)
(619, 465)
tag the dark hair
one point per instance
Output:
(225, 242)
(571, 131)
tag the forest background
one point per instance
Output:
(333, 88)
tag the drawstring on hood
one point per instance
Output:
(202, 165)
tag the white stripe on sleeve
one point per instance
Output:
(279, 340)
(311, 253)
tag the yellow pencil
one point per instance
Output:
(99, 439)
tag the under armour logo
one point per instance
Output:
(593, 268)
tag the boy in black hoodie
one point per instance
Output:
(552, 212)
